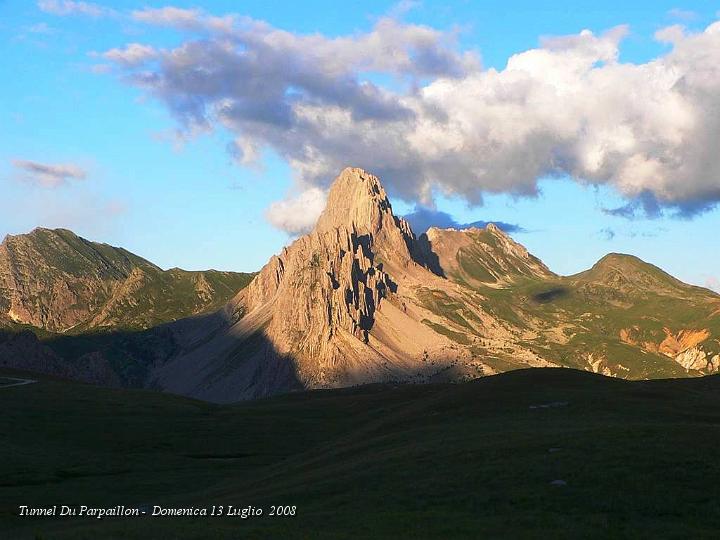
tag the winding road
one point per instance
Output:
(15, 382)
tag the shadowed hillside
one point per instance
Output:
(529, 454)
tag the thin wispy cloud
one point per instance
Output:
(610, 233)
(402, 8)
(713, 283)
(682, 14)
(187, 19)
(39, 28)
(48, 175)
(131, 55)
(70, 7)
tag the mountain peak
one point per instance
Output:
(358, 209)
(630, 274)
(39, 230)
(622, 261)
(335, 305)
(356, 200)
(36, 232)
(620, 258)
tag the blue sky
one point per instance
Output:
(188, 203)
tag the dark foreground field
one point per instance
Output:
(477, 460)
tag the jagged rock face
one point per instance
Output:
(357, 205)
(674, 344)
(337, 307)
(57, 281)
(335, 277)
(325, 289)
(328, 283)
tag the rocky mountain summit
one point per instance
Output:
(337, 307)
(359, 299)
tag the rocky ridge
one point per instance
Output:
(58, 282)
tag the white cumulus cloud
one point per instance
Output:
(298, 215)
(566, 108)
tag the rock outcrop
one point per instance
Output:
(696, 359)
(677, 343)
(25, 351)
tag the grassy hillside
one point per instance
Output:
(474, 460)
(623, 317)
(163, 296)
